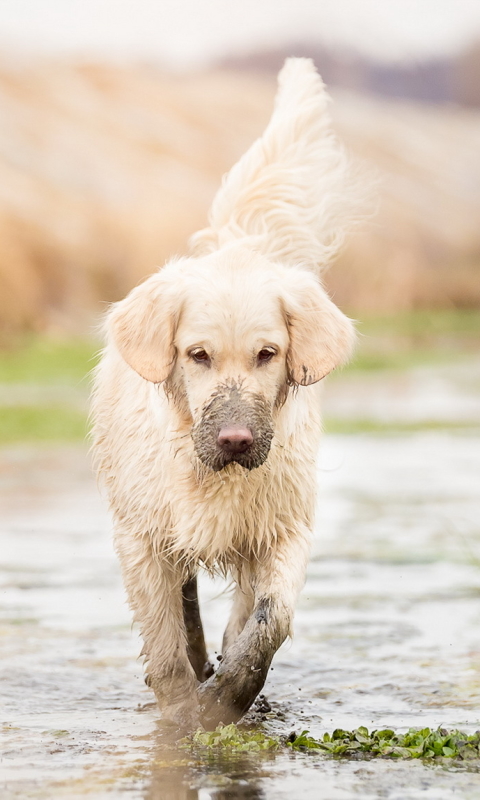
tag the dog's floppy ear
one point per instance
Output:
(143, 327)
(321, 336)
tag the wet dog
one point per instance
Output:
(207, 416)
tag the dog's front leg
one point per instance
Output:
(154, 588)
(276, 581)
(197, 651)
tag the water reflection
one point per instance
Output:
(180, 785)
(170, 784)
(177, 774)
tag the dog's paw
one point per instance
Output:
(217, 705)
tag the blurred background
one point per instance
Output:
(118, 120)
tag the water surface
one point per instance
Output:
(387, 632)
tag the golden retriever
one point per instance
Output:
(207, 416)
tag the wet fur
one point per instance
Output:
(253, 279)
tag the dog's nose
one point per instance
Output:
(235, 439)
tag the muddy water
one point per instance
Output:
(387, 632)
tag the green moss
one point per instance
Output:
(27, 424)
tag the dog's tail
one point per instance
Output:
(294, 193)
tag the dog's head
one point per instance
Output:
(227, 334)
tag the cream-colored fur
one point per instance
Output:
(251, 282)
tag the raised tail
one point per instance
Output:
(294, 193)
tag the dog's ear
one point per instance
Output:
(143, 327)
(321, 336)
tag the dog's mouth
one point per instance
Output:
(233, 429)
(246, 460)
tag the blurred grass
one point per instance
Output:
(393, 342)
(46, 363)
(41, 360)
(425, 323)
(370, 426)
(409, 339)
(38, 424)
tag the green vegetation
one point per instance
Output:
(423, 324)
(38, 424)
(43, 360)
(232, 738)
(406, 340)
(369, 357)
(371, 426)
(46, 364)
(425, 743)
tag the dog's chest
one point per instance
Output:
(223, 515)
(238, 515)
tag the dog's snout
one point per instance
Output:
(233, 427)
(235, 439)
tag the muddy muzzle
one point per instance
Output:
(234, 427)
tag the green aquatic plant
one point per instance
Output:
(424, 743)
(359, 743)
(232, 738)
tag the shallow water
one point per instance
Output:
(387, 632)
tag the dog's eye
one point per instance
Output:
(200, 355)
(265, 355)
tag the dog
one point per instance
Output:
(206, 410)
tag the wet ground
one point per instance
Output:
(387, 632)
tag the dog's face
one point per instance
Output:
(228, 334)
(232, 343)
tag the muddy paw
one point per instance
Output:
(216, 704)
